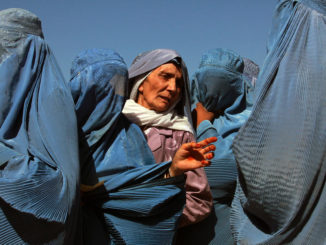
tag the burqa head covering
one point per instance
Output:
(149, 60)
(98, 77)
(134, 196)
(16, 24)
(280, 151)
(218, 81)
(39, 165)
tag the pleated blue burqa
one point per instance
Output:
(281, 150)
(39, 165)
(219, 84)
(126, 199)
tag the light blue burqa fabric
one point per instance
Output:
(281, 150)
(39, 165)
(220, 86)
(135, 205)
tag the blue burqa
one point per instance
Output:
(39, 165)
(220, 86)
(134, 204)
(281, 150)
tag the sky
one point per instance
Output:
(130, 27)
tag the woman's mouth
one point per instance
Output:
(166, 99)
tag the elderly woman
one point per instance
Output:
(127, 198)
(159, 104)
(39, 165)
(220, 103)
(280, 151)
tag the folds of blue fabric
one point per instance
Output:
(280, 151)
(135, 204)
(152, 208)
(133, 201)
(214, 230)
(220, 86)
(39, 151)
(134, 197)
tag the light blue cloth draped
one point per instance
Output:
(219, 85)
(39, 165)
(135, 205)
(281, 150)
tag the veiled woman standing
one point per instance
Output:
(39, 165)
(220, 107)
(280, 151)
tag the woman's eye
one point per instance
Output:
(165, 76)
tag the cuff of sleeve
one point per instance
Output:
(206, 127)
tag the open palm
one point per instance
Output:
(192, 155)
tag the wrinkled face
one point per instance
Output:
(162, 88)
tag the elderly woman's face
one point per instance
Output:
(162, 88)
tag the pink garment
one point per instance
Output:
(164, 143)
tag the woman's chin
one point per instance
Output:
(162, 107)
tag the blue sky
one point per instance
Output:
(133, 26)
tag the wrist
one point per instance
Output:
(207, 118)
(174, 171)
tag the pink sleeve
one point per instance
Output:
(199, 200)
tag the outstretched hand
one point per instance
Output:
(192, 155)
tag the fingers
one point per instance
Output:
(200, 144)
(208, 148)
(203, 148)
(191, 145)
(209, 155)
(207, 141)
(207, 158)
(205, 163)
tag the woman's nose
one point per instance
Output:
(172, 86)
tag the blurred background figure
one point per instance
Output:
(220, 107)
